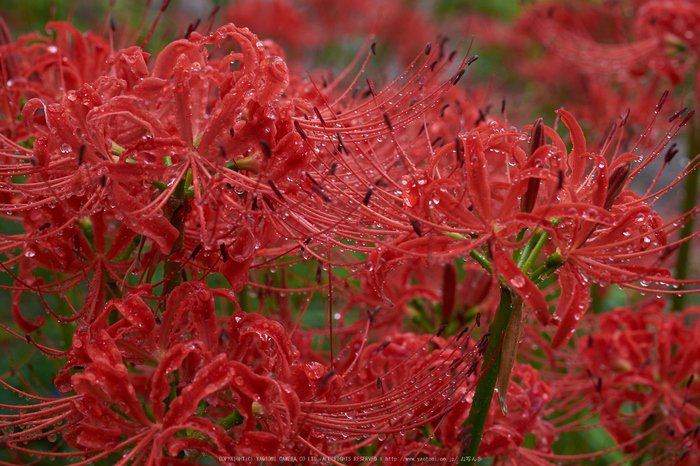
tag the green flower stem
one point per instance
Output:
(541, 238)
(518, 252)
(489, 373)
(481, 260)
(552, 263)
(525, 253)
(233, 419)
(533, 248)
(691, 194)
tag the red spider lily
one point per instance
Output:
(299, 23)
(119, 144)
(37, 66)
(589, 48)
(141, 382)
(148, 173)
(466, 195)
(213, 159)
(633, 373)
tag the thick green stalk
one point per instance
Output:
(489, 373)
(691, 194)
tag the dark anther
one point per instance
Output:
(457, 77)
(318, 114)
(662, 100)
(341, 143)
(333, 168)
(323, 81)
(482, 114)
(428, 48)
(382, 346)
(300, 130)
(44, 226)
(472, 59)
(670, 153)
(326, 378)
(677, 114)
(230, 131)
(275, 189)
(687, 119)
(76, 242)
(387, 120)
(224, 337)
(417, 226)
(623, 118)
(432, 65)
(112, 24)
(323, 195)
(266, 148)
(313, 180)
(478, 319)
(103, 180)
(191, 28)
(34, 161)
(459, 150)
(560, 179)
(372, 315)
(373, 48)
(503, 105)
(269, 203)
(379, 383)
(176, 213)
(368, 196)
(224, 254)
(370, 85)
(461, 334)
(196, 250)
(442, 110)
(472, 368)
(81, 154)
(440, 330)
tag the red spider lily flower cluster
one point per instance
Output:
(182, 214)
(640, 48)
(237, 386)
(633, 371)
